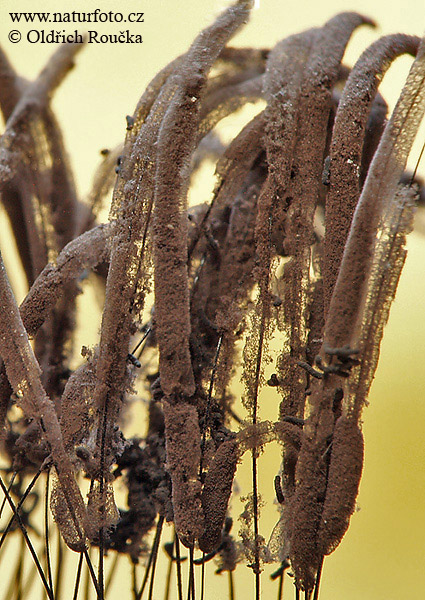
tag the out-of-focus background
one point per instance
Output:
(383, 553)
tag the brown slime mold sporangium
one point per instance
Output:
(287, 273)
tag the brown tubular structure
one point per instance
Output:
(320, 514)
(379, 189)
(24, 375)
(345, 159)
(306, 211)
(85, 252)
(175, 146)
(41, 202)
(30, 129)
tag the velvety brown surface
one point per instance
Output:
(306, 211)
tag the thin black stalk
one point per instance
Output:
(19, 505)
(254, 463)
(60, 559)
(415, 170)
(254, 422)
(102, 490)
(318, 577)
(179, 569)
(145, 335)
(12, 479)
(203, 577)
(78, 577)
(139, 594)
(152, 557)
(20, 573)
(168, 579)
(155, 554)
(27, 540)
(280, 588)
(208, 407)
(46, 531)
(87, 584)
(134, 580)
(112, 571)
(191, 583)
(297, 593)
(91, 571)
(100, 576)
(231, 586)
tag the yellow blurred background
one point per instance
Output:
(383, 553)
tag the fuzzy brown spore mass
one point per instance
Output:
(346, 158)
(306, 211)
(344, 475)
(183, 457)
(216, 493)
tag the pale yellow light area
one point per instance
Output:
(383, 554)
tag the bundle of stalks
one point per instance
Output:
(303, 241)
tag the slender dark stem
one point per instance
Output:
(20, 571)
(208, 407)
(201, 227)
(412, 179)
(145, 335)
(87, 584)
(297, 593)
(254, 463)
(318, 577)
(27, 540)
(179, 569)
(134, 580)
(265, 287)
(6, 541)
(155, 554)
(100, 593)
(203, 576)
(256, 528)
(91, 571)
(112, 572)
(78, 577)
(234, 416)
(168, 578)
(100, 576)
(46, 531)
(20, 503)
(12, 479)
(191, 584)
(192, 569)
(139, 594)
(60, 559)
(280, 589)
(152, 557)
(231, 586)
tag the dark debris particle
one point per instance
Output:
(273, 381)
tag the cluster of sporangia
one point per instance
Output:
(304, 235)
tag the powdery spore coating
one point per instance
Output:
(344, 475)
(182, 438)
(347, 146)
(176, 143)
(216, 493)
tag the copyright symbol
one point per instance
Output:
(15, 36)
